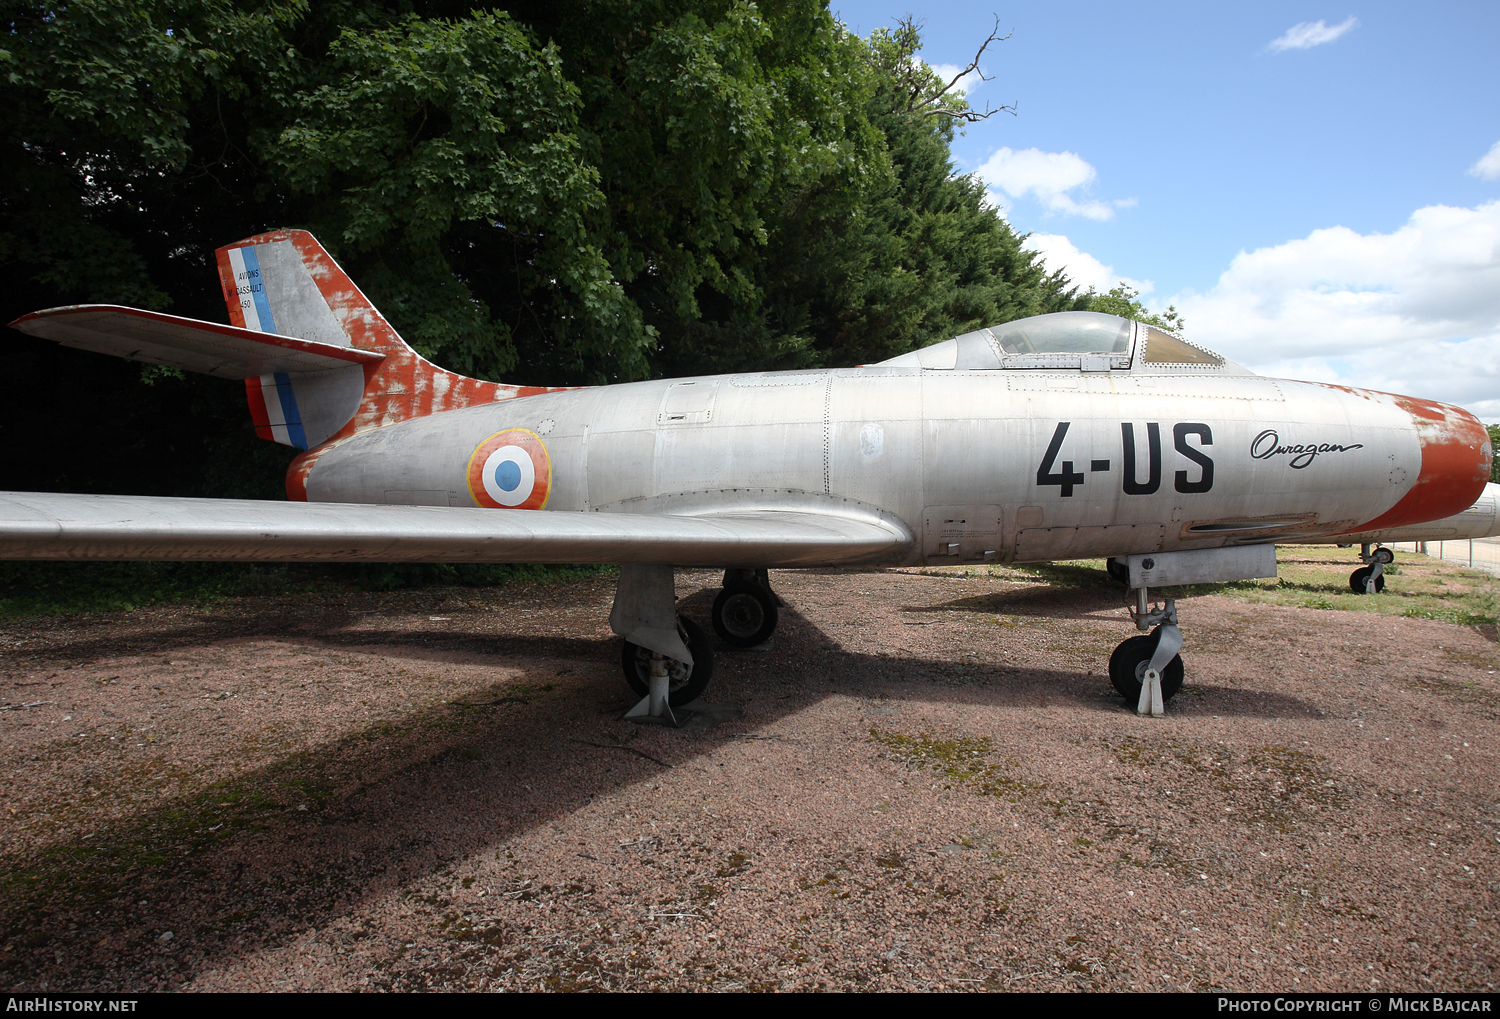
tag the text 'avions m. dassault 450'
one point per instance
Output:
(1057, 437)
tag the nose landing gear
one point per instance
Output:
(1371, 579)
(1147, 669)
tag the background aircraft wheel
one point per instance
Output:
(1118, 570)
(744, 615)
(687, 681)
(1358, 578)
(1128, 664)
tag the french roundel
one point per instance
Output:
(511, 470)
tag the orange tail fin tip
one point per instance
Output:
(284, 282)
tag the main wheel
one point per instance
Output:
(1128, 664)
(744, 615)
(1360, 577)
(686, 682)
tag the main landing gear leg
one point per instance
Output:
(1371, 579)
(1147, 670)
(667, 659)
(657, 704)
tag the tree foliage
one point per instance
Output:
(1124, 300)
(568, 192)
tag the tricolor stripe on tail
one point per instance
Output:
(284, 282)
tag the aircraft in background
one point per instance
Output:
(1481, 520)
(1065, 436)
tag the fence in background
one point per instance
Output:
(1476, 553)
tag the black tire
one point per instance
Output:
(745, 615)
(1383, 555)
(1118, 571)
(688, 681)
(1130, 660)
(1358, 578)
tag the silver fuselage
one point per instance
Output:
(1148, 460)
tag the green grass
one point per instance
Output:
(1317, 577)
(1312, 577)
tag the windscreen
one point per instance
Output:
(1067, 332)
(1164, 348)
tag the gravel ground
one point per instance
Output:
(925, 782)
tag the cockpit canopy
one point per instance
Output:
(1069, 332)
(1069, 339)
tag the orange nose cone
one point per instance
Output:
(1456, 457)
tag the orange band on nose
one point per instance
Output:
(1456, 458)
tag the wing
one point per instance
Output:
(207, 347)
(37, 525)
(1481, 520)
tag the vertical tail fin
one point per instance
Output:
(285, 283)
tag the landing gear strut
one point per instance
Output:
(745, 612)
(685, 681)
(667, 659)
(1147, 669)
(1371, 579)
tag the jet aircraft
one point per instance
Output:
(1064, 436)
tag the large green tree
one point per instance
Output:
(577, 191)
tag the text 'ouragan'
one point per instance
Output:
(1268, 444)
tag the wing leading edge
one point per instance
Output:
(40, 526)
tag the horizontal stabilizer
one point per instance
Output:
(40, 525)
(187, 343)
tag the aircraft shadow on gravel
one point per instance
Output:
(1047, 602)
(393, 802)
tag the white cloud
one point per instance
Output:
(1308, 34)
(1453, 371)
(1488, 167)
(967, 84)
(1082, 268)
(1047, 177)
(1416, 310)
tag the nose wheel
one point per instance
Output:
(1147, 670)
(1118, 571)
(1132, 658)
(1371, 579)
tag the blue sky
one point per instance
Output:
(1308, 183)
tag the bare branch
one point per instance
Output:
(973, 116)
(931, 104)
(973, 65)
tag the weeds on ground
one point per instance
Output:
(1309, 576)
(962, 760)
